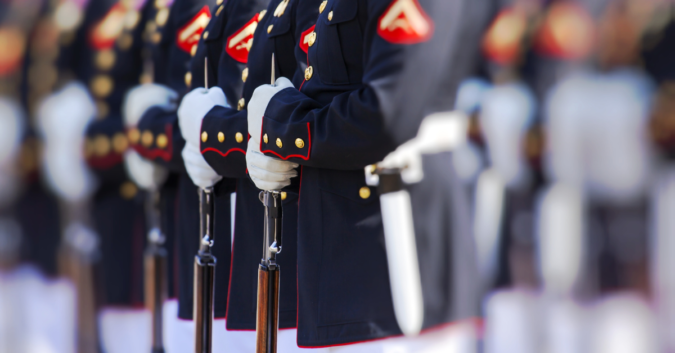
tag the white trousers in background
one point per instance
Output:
(457, 338)
(125, 330)
(244, 342)
(36, 313)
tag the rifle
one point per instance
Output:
(205, 268)
(205, 264)
(77, 256)
(155, 263)
(267, 318)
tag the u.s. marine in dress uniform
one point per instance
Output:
(329, 121)
(220, 137)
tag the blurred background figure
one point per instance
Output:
(36, 307)
(552, 222)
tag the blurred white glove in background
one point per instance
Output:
(143, 97)
(146, 174)
(62, 120)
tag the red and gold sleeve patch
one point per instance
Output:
(239, 43)
(568, 32)
(308, 37)
(405, 22)
(188, 35)
(106, 31)
(12, 48)
(502, 41)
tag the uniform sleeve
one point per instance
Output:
(224, 138)
(158, 138)
(349, 132)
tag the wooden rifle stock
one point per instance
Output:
(204, 272)
(77, 256)
(267, 319)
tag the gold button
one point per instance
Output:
(244, 74)
(125, 41)
(312, 38)
(101, 145)
(206, 34)
(162, 141)
(281, 8)
(299, 143)
(120, 143)
(220, 9)
(105, 59)
(188, 79)
(279, 144)
(147, 138)
(131, 19)
(241, 104)
(156, 37)
(221, 137)
(218, 2)
(134, 135)
(128, 190)
(146, 78)
(193, 51)
(323, 6)
(261, 15)
(284, 195)
(309, 71)
(102, 109)
(162, 16)
(101, 86)
(364, 192)
(88, 149)
(330, 16)
(269, 29)
(205, 136)
(265, 139)
(239, 137)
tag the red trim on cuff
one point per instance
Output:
(477, 322)
(221, 153)
(309, 146)
(110, 160)
(152, 153)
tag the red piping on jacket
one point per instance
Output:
(158, 152)
(221, 153)
(309, 146)
(103, 163)
(477, 322)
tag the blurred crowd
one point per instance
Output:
(533, 141)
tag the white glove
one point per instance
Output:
(258, 104)
(439, 132)
(147, 175)
(62, 119)
(266, 172)
(143, 97)
(11, 129)
(200, 172)
(194, 107)
(506, 114)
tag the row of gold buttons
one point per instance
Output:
(239, 137)
(147, 138)
(299, 143)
